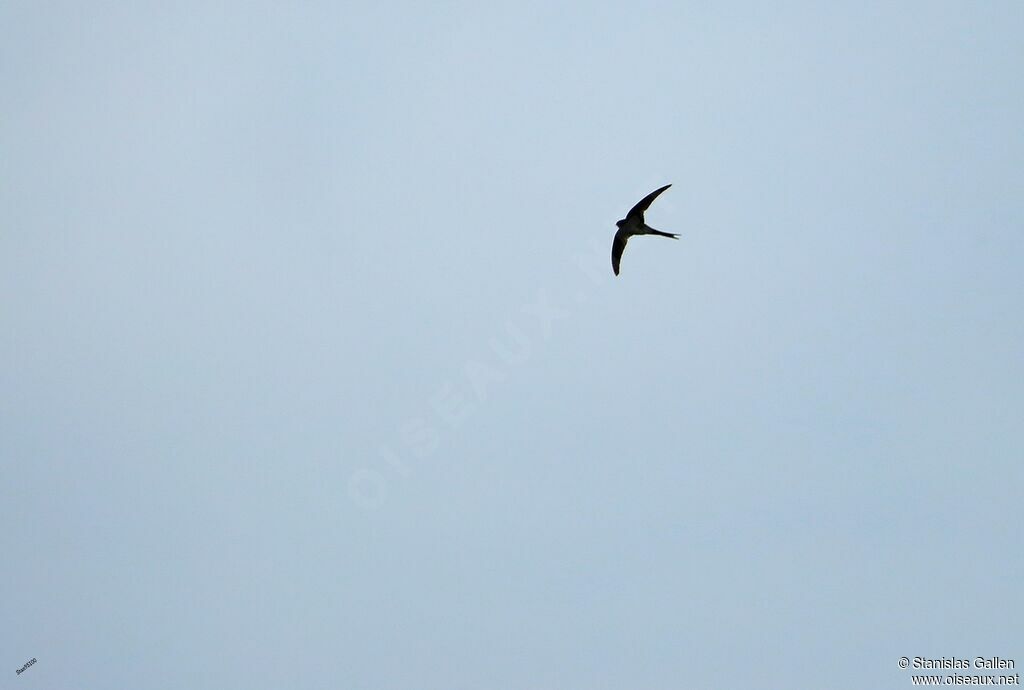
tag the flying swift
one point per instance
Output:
(633, 224)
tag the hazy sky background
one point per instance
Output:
(315, 374)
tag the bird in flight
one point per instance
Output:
(633, 224)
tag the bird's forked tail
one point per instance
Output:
(663, 234)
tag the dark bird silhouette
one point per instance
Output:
(633, 224)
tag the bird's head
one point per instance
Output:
(620, 223)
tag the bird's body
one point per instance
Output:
(633, 224)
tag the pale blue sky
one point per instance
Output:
(315, 374)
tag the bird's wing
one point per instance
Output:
(637, 212)
(618, 246)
